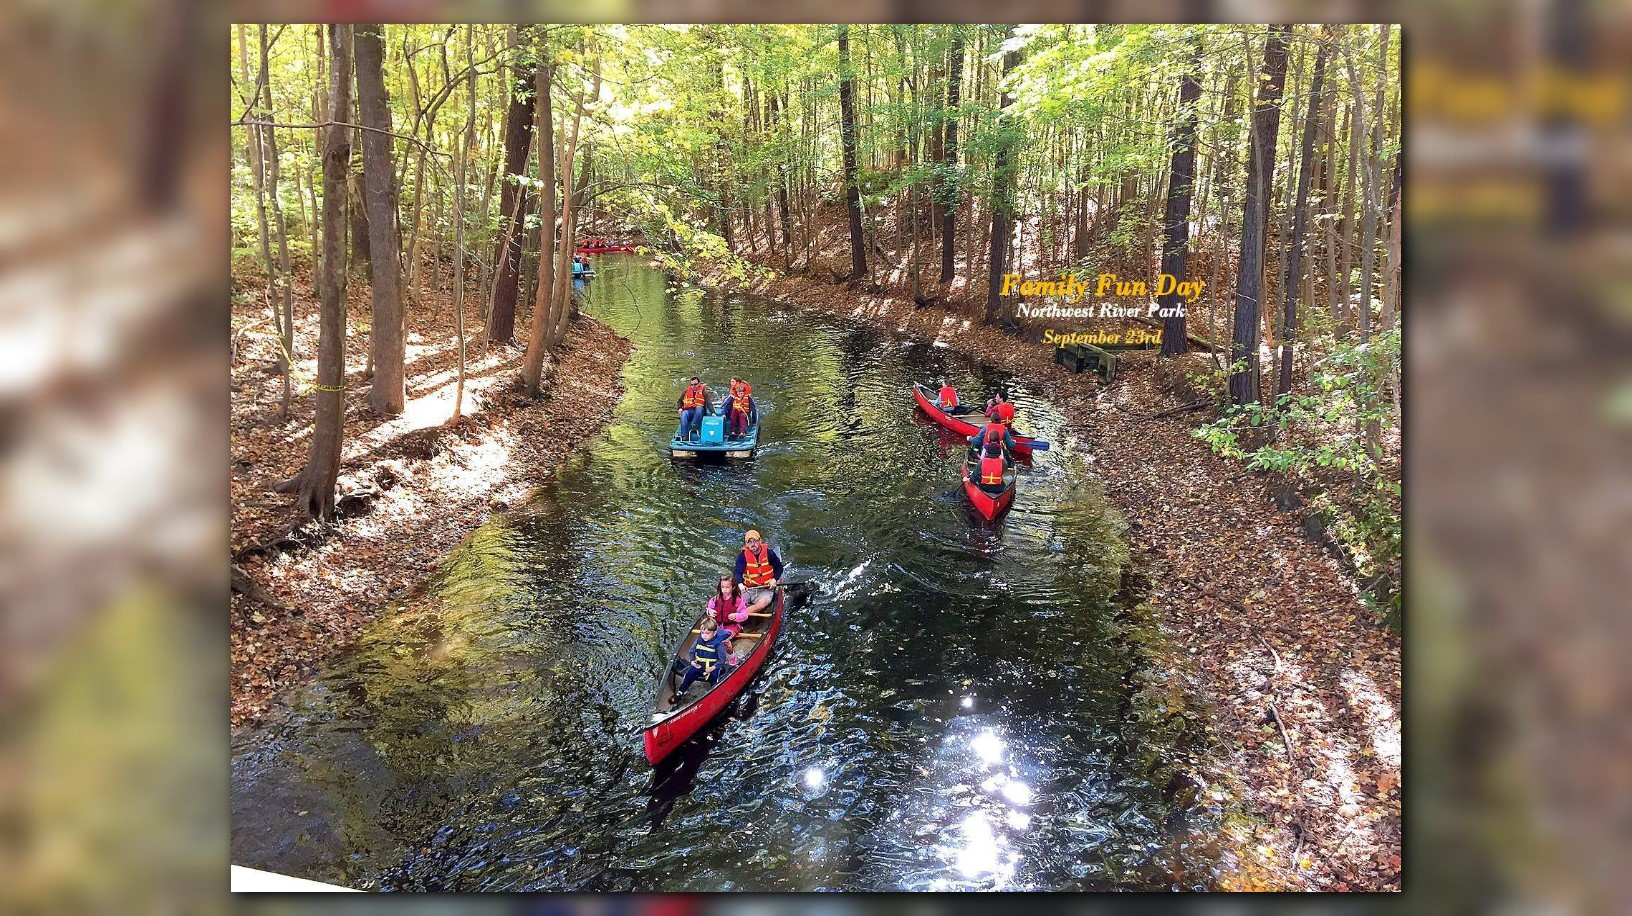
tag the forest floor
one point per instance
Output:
(412, 487)
(1263, 626)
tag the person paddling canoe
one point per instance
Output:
(758, 570)
(1001, 409)
(992, 435)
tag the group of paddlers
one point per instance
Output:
(747, 592)
(994, 440)
(738, 408)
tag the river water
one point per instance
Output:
(955, 706)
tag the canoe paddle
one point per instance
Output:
(1037, 445)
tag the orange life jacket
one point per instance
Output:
(757, 571)
(696, 396)
(991, 471)
(741, 390)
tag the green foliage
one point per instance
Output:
(1320, 437)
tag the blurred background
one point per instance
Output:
(113, 442)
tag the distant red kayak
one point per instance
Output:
(676, 719)
(602, 249)
(989, 501)
(965, 420)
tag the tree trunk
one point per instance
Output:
(1331, 200)
(255, 154)
(777, 124)
(1300, 219)
(1002, 192)
(1266, 122)
(563, 300)
(1368, 223)
(1370, 198)
(501, 326)
(949, 179)
(1176, 218)
(1345, 268)
(1391, 281)
(317, 480)
(1373, 205)
(361, 257)
(459, 221)
(532, 366)
(386, 336)
(285, 291)
(852, 184)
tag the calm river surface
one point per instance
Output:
(952, 708)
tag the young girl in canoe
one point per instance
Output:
(727, 607)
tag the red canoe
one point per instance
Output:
(989, 501)
(602, 249)
(966, 419)
(673, 723)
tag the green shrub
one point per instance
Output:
(1320, 437)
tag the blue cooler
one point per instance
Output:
(713, 432)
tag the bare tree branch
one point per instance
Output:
(247, 121)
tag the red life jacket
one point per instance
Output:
(696, 396)
(1003, 412)
(991, 471)
(757, 571)
(948, 396)
(994, 433)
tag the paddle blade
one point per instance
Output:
(1037, 445)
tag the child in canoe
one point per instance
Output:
(708, 656)
(727, 607)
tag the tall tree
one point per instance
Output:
(949, 165)
(1372, 180)
(1176, 219)
(286, 292)
(532, 365)
(317, 481)
(1300, 218)
(386, 337)
(777, 119)
(257, 108)
(852, 182)
(562, 302)
(1003, 169)
(518, 119)
(1249, 281)
(459, 191)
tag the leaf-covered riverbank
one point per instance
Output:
(412, 486)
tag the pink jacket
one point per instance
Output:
(736, 610)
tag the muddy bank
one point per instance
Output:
(411, 487)
(1264, 628)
